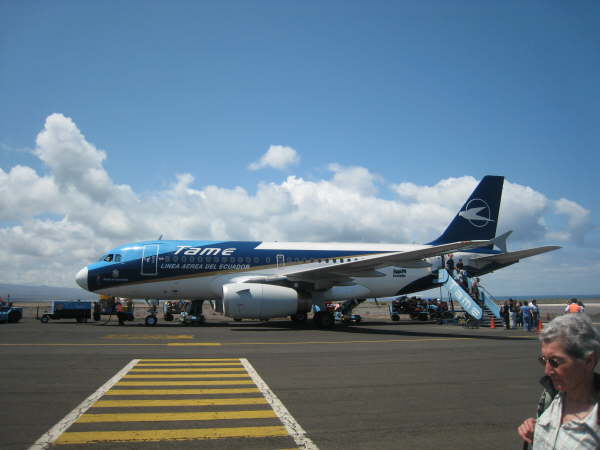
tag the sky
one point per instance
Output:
(301, 121)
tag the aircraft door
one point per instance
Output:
(280, 261)
(150, 260)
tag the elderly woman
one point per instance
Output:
(568, 410)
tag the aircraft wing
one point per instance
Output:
(508, 258)
(367, 266)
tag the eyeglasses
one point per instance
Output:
(554, 362)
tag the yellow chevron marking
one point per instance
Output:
(181, 391)
(164, 416)
(190, 364)
(189, 359)
(184, 383)
(183, 369)
(88, 437)
(183, 402)
(190, 375)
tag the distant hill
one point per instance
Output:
(23, 293)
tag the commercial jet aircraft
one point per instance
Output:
(262, 279)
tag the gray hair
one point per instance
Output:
(576, 332)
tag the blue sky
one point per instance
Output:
(412, 92)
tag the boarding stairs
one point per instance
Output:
(483, 310)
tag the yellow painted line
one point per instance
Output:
(184, 364)
(191, 375)
(181, 391)
(165, 416)
(149, 336)
(89, 437)
(183, 369)
(190, 360)
(184, 383)
(184, 402)
(365, 341)
(189, 344)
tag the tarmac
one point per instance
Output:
(274, 385)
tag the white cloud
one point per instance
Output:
(277, 157)
(53, 224)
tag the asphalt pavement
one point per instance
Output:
(375, 385)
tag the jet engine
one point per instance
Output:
(261, 301)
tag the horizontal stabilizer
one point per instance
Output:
(512, 257)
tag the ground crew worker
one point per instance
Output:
(573, 307)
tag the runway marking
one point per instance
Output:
(67, 430)
(89, 437)
(206, 369)
(185, 383)
(361, 341)
(189, 375)
(186, 364)
(206, 361)
(167, 417)
(184, 402)
(149, 336)
(181, 391)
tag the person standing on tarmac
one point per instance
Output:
(573, 307)
(568, 410)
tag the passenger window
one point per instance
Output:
(167, 259)
(256, 260)
(267, 260)
(248, 260)
(240, 259)
(175, 258)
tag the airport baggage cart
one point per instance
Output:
(78, 310)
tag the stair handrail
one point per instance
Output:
(490, 301)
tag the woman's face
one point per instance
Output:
(570, 372)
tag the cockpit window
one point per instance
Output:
(116, 257)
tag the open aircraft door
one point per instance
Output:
(150, 260)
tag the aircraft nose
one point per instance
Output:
(82, 278)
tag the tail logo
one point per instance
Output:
(477, 212)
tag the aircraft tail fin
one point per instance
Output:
(478, 218)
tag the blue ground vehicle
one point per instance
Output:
(10, 314)
(80, 311)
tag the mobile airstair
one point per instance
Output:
(482, 311)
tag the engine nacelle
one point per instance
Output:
(261, 301)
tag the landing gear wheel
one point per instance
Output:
(150, 320)
(168, 317)
(395, 317)
(14, 316)
(96, 317)
(324, 319)
(44, 319)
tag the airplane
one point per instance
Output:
(263, 280)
